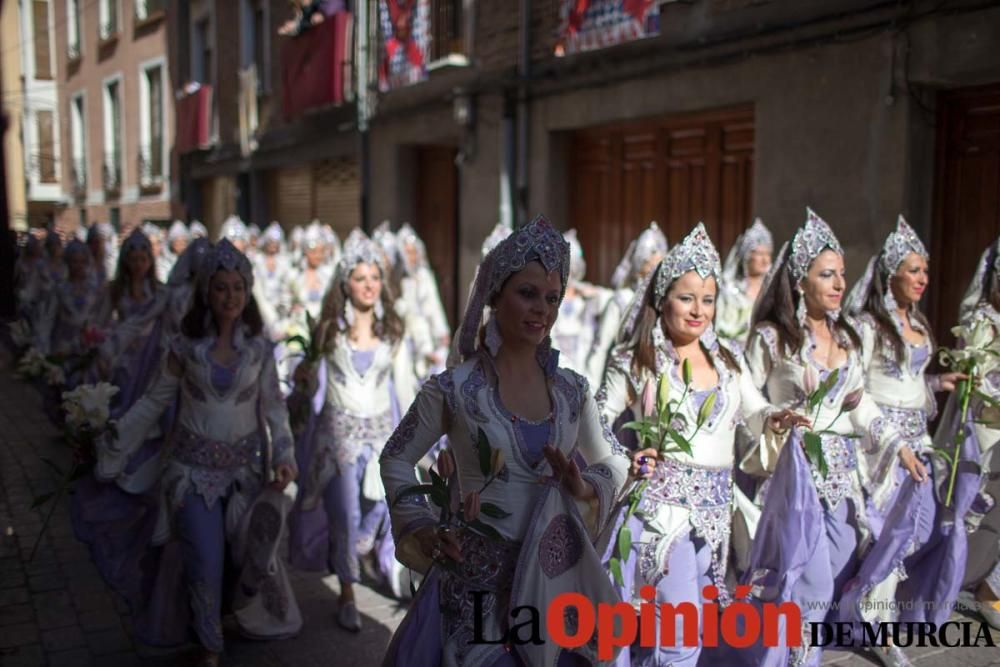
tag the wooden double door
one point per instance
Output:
(967, 197)
(677, 170)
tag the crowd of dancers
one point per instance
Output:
(309, 392)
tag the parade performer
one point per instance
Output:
(216, 497)
(507, 394)
(341, 514)
(687, 516)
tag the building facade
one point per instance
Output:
(30, 101)
(605, 115)
(116, 112)
(269, 120)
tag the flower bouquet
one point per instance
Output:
(20, 334)
(36, 366)
(87, 412)
(660, 428)
(466, 515)
(975, 359)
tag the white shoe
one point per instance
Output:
(891, 656)
(348, 617)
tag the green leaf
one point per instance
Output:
(814, 451)
(680, 440)
(298, 340)
(616, 571)
(943, 453)
(485, 453)
(41, 500)
(989, 400)
(706, 408)
(624, 542)
(417, 490)
(492, 511)
(52, 464)
(437, 480)
(485, 529)
(440, 497)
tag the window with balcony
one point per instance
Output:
(78, 143)
(108, 18)
(201, 51)
(42, 45)
(73, 29)
(418, 36)
(151, 149)
(147, 9)
(112, 167)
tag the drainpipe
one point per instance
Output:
(524, 73)
(362, 90)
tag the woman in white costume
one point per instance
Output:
(981, 306)
(919, 555)
(230, 436)
(742, 277)
(540, 418)
(342, 515)
(579, 314)
(641, 257)
(682, 527)
(799, 339)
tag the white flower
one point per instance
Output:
(89, 405)
(55, 375)
(20, 333)
(979, 343)
(32, 364)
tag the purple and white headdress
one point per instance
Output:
(178, 230)
(577, 265)
(358, 249)
(408, 236)
(198, 230)
(538, 241)
(137, 240)
(273, 232)
(695, 253)
(813, 237)
(498, 234)
(223, 256)
(896, 247)
(756, 236)
(974, 292)
(649, 243)
(234, 229)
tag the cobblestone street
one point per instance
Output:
(55, 610)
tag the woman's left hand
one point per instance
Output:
(948, 381)
(568, 474)
(284, 475)
(785, 419)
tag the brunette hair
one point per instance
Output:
(122, 278)
(644, 356)
(195, 322)
(777, 305)
(389, 328)
(888, 336)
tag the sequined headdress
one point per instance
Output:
(273, 232)
(223, 256)
(813, 237)
(896, 247)
(407, 236)
(358, 249)
(577, 265)
(974, 292)
(234, 229)
(650, 242)
(536, 241)
(137, 240)
(498, 234)
(756, 236)
(695, 252)
(178, 230)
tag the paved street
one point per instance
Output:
(55, 611)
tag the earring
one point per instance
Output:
(800, 310)
(349, 313)
(379, 310)
(493, 340)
